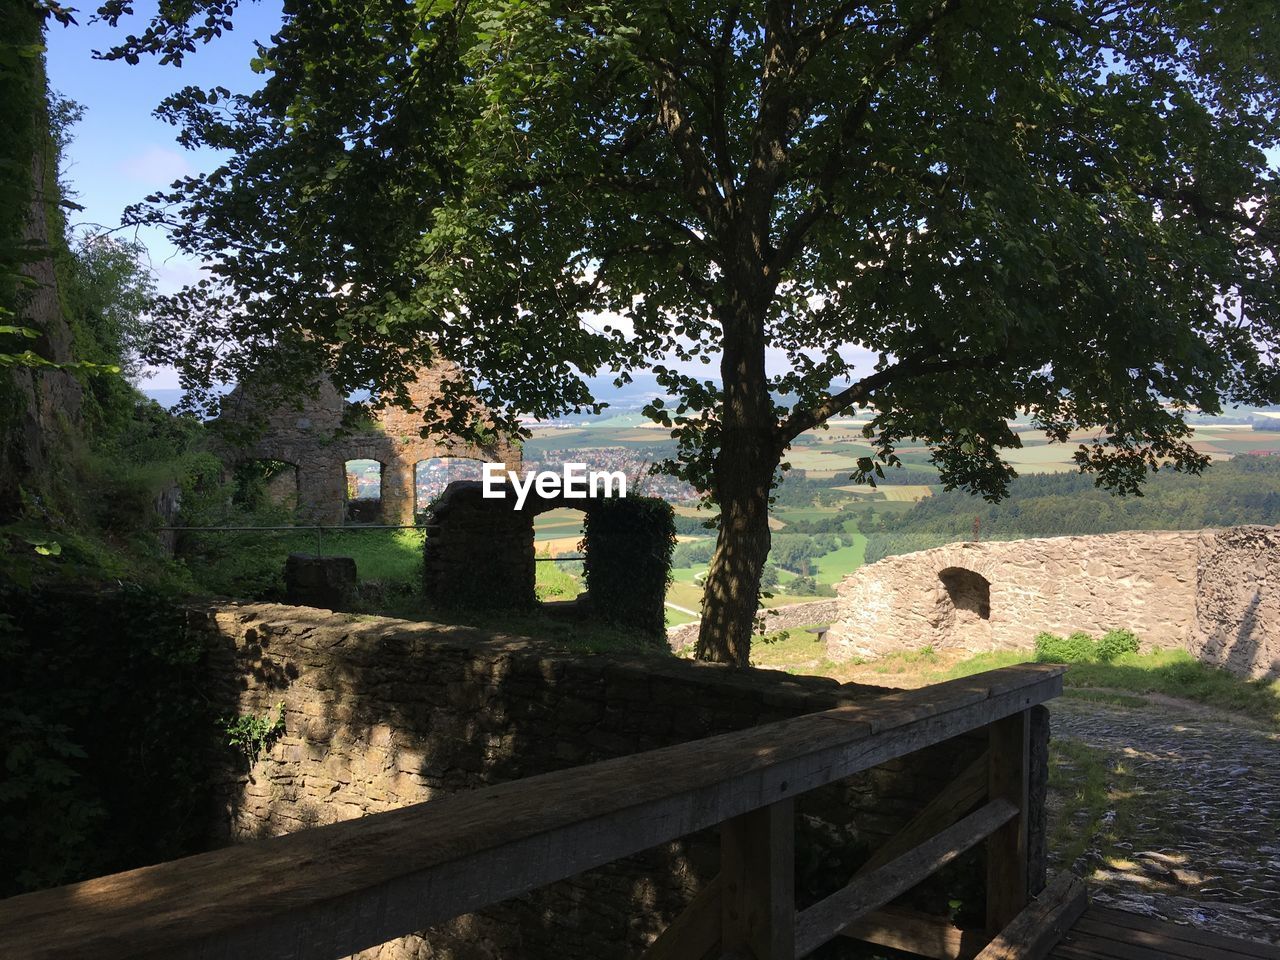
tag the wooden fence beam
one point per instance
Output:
(913, 931)
(344, 887)
(1042, 923)
(1007, 848)
(757, 883)
(828, 918)
(693, 934)
(951, 803)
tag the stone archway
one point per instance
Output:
(968, 591)
(317, 434)
(963, 603)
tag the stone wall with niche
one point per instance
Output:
(1215, 593)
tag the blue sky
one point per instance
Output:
(120, 152)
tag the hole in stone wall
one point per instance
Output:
(364, 491)
(557, 534)
(969, 593)
(266, 483)
(430, 477)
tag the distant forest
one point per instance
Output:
(1239, 491)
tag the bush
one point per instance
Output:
(802, 587)
(1077, 648)
(1116, 642)
(628, 543)
(108, 726)
(1080, 647)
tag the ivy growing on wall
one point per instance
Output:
(628, 544)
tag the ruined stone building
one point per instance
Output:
(317, 438)
(1214, 593)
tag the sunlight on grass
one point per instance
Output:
(1171, 673)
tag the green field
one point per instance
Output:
(833, 567)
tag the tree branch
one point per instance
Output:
(699, 180)
(892, 53)
(802, 420)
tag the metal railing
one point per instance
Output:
(347, 528)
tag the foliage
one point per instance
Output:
(1077, 648)
(1080, 647)
(555, 583)
(253, 735)
(108, 290)
(628, 544)
(1064, 209)
(1116, 642)
(802, 587)
(97, 777)
(1245, 489)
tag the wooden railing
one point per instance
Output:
(330, 891)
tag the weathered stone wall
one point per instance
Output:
(1213, 592)
(309, 434)
(478, 551)
(381, 713)
(1238, 601)
(786, 617)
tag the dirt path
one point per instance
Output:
(1192, 827)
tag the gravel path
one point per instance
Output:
(1201, 840)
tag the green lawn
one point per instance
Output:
(834, 566)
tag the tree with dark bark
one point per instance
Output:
(1055, 208)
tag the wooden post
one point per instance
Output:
(1007, 847)
(757, 883)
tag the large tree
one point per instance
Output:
(1060, 208)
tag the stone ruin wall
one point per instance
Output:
(1214, 593)
(310, 435)
(381, 713)
(790, 616)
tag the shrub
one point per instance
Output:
(1116, 642)
(628, 543)
(108, 726)
(1077, 648)
(802, 587)
(1080, 647)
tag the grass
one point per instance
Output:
(833, 566)
(1129, 681)
(795, 650)
(553, 583)
(909, 661)
(1089, 784)
(1170, 673)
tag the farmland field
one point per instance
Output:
(825, 459)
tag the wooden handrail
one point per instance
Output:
(330, 891)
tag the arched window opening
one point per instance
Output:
(364, 491)
(430, 477)
(969, 593)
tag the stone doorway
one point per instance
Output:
(364, 491)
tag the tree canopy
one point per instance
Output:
(1061, 207)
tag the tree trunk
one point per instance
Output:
(744, 467)
(732, 591)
